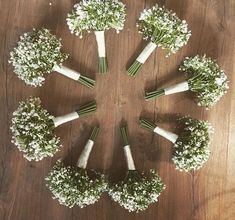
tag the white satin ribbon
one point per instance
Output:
(146, 52)
(166, 134)
(82, 161)
(100, 38)
(72, 74)
(180, 87)
(129, 158)
(65, 118)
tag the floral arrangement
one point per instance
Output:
(191, 145)
(163, 29)
(39, 52)
(97, 16)
(32, 128)
(136, 192)
(205, 79)
(72, 185)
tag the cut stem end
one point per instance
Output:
(146, 124)
(86, 81)
(134, 68)
(87, 109)
(103, 65)
(154, 94)
(124, 135)
(94, 133)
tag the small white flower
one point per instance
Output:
(191, 149)
(32, 129)
(163, 28)
(137, 191)
(72, 186)
(96, 15)
(206, 79)
(219, 81)
(36, 54)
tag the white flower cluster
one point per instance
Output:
(96, 15)
(192, 145)
(37, 53)
(137, 191)
(164, 28)
(206, 79)
(32, 128)
(72, 186)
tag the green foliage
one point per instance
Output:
(37, 53)
(96, 15)
(206, 79)
(192, 145)
(32, 128)
(72, 186)
(137, 191)
(164, 28)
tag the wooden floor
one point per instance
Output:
(208, 194)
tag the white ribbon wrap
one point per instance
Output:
(179, 87)
(129, 158)
(146, 52)
(100, 38)
(82, 161)
(72, 74)
(65, 118)
(166, 134)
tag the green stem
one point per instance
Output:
(124, 135)
(146, 124)
(103, 65)
(87, 109)
(154, 94)
(94, 133)
(86, 81)
(134, 68)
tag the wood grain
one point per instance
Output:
(205, 195)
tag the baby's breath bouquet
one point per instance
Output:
(137, 191)
(205, 79)
(162, 28)
(39, 52)
(97, 16)
(191, 145)
(32, 128)
(72, 185)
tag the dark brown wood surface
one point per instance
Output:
(207, 194)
